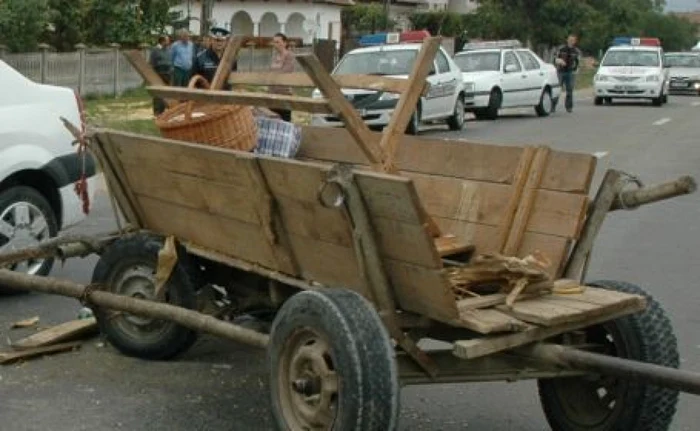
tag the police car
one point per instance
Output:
(632, 68)
(506, 75)
(393, 55)
(38, 165)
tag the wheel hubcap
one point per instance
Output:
(308, 381)
(546, 103)
(23, 225)
(138, 281)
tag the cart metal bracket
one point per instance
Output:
(347, 195)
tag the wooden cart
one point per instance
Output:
(362, 249)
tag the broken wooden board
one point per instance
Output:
(9, 357)
(56, 334)
(449, 245)
(555, 309)
(474, 348)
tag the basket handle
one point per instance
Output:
(191, 85)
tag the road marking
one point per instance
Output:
(600, 154)
(695, 104)
(661, 122)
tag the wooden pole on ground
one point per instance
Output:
(140, 307)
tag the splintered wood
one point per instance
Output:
(489, 274)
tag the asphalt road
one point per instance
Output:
(222, 386)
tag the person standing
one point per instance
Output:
(567, 61)
(161, 63)
(208, 58)
(182, 56)
(282, 62)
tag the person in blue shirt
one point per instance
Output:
(208, 58)
(182, 54)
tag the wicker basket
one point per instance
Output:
(227, 126)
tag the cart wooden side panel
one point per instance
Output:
(266, 211)
(481, 193)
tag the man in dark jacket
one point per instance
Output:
(567, 61)
(160, 61)
(209, 56)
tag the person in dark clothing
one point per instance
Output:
(160, 61)
(209, 56)
(567, 61)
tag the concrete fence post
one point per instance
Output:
(117, 54)
(81, 47)
(44, 61)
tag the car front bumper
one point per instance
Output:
(684, 87)
(637, 90)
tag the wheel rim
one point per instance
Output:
(138, 281)
(309, 386)
(23, 225)
(593, 401)
(546, 102)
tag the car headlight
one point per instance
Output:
(389, 96)
(653, 78)
(316, 94)
(601, 78)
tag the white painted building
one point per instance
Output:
(296, 18)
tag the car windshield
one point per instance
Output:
(389, 62)
(478, 61)
(631, 58)
(683, 60)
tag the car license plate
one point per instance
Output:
(679, 84)
(626, 87)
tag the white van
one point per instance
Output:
(633, 68)
(39, 166)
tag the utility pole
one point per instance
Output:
(205, 17)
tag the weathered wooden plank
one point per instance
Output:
(232, 201)
(553, 213)
(524, 209)
(196, 160)
(301, 79)
(67, 331)
(489, 321)
(475, 348)
(274, 101)
(470, 160)
(447, 245)
(8, 357)
(233, 46)
(225, 235)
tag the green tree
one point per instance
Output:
(22, 23)
(67, 23)
(128, 22)
(366, 18)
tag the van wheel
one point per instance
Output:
(26, 219)
(495, 101)
(414, 123)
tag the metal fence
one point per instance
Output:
(99, 72)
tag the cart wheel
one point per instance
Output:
(332, 364)
(605, 403)
(128, 267)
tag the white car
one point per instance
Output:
(38, 165)
(632, 69)
(506, 76)
(445, 101)
(684, 72)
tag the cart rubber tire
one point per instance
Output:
(647, 336)
(140, 252)
(33, 198)
(347, 339)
